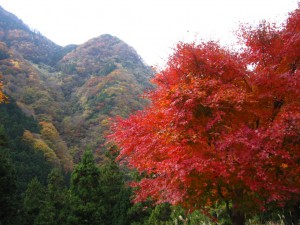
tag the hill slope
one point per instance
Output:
(103, 77)
(72, 91)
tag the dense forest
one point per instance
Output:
(90, 135)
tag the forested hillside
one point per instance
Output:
(59, 103)
(215, 139)
(71, 91)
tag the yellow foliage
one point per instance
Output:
(57, 145)
(28, 137)
(3, 98)
(105, 122)
(15, 63)
(48, 131)
(40, 145)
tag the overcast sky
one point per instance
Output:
(152, 27)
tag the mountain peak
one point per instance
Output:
(108, 36)
(90, 57)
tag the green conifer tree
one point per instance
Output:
(116, 197)
(57, 192)
(86, 200)
(7, 189)
(54, 210)
(34, 200)
(46, 215)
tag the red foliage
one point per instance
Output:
(218, 131)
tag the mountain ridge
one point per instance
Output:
(71, 91)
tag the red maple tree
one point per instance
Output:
(222, 126)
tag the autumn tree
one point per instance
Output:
(3, 55)
(55, 142)
(222, 126)
(3, 97)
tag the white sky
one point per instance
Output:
(152, 27)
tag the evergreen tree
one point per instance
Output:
(54, 209)
(115, 198)
(34, 200)
(86, 200)
(121, 208)
(47, 206)
(7, 188)
(3, 137)
(46, 215)
(160, 215)
(56, 189)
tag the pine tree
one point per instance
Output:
(34, 200)
(54, 210)
(116, 197)
(57, 193)
(46, 215)
(86, 200)
(7, 188)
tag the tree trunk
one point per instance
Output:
(296, 214)
(237, 217)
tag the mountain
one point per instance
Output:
(30, 44)
(71, 92)
(102, 78)
(100, 55)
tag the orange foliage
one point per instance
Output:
(3, 97)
